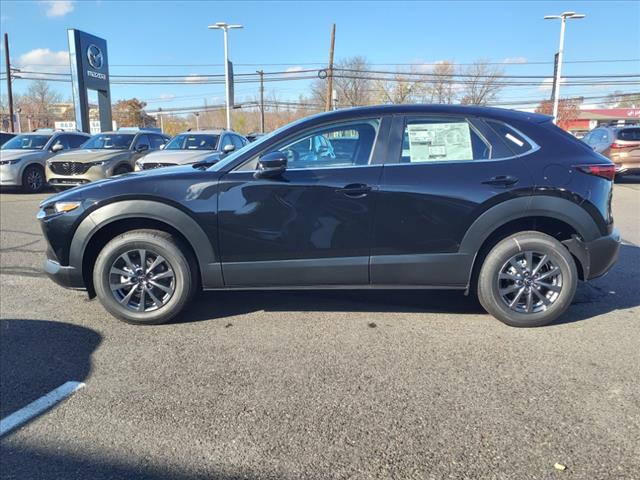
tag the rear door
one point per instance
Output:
(440, 174)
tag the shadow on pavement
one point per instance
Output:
(23, 462)
(37, 356)
(615, 291)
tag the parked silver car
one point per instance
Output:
(192, 147)
(22, 159)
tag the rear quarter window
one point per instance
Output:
(629, 134)
(513, 139)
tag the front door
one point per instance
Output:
(310, 226)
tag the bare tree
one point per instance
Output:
(481, 83)
(38, 102)
(351, 82)
(403, 87)
(440, 88)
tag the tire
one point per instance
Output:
(543, 293)
(176, 274)
(121, 170)
(33, 180)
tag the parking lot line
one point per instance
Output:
(38, 406)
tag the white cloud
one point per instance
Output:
(547, 84)
(43, 59)
(194, 78)
(166, 96)
(515, 60)
(58, 8)
(294, 69)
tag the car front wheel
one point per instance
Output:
(144, 277)
(33, 179)
(527, 280)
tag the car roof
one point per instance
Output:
(471, 110)
(210, 131)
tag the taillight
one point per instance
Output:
(622, 145)
(607, 171)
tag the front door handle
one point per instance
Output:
(355, 190)
(501, 181)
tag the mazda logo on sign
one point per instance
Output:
(95, 57)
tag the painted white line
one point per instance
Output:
(38, 406)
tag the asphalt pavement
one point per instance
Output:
(327, 385)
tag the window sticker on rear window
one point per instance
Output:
(439, 141)
(515, 140)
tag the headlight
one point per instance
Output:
(139, 166)
(97, 164)
(62, 207)
(10, 162)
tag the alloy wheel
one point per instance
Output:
(34, 179)
(142, 280)
(529, 282)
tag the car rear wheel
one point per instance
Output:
(33, 179)
(144, 277)
(527, 280)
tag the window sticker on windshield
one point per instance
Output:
(439, 141)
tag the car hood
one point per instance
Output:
(90, 155)
(17, 153)
(180, 157)
(135, 183)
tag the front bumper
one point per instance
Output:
(598, 256)
(65, 276)
(96, 172)
(10, 175)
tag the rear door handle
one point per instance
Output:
(501, 181)
(355, 190)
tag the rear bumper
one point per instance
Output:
(598, 256)
(65, 276)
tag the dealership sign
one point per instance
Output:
(89, 71)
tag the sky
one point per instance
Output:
(281, 36)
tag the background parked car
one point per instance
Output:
(103, 155)
(620, 144)
(5, 137)
(22, 159)
(192, 147)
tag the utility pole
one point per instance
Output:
(261, 73)
(327, 105)
(7, 64)
(227, 71)
(161, 119)
(558, 71)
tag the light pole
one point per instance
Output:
(556, 92)
(225, 28)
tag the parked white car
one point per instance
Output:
(22, 159)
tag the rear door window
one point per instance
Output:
(157, 141)
(76, 140)
(438, 139)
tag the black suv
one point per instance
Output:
(484, 200)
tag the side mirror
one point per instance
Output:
(142, 148)
(162, 146)
(271, 165)
(57, 148)
(228, 148)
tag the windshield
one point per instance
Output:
(193, 142)
(27, 142)
(109, 141)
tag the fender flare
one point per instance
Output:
(210, 267)
(532, 206)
